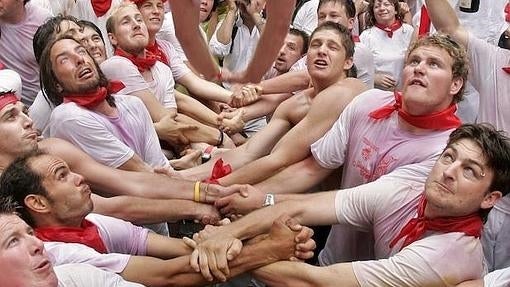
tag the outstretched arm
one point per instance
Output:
(443, 17)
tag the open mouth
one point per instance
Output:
(320, 63)
(85, 73)
(44, 265)
(417, 82)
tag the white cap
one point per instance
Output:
(10, 81)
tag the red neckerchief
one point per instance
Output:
(355, 39)
(8, 98)
(507, 12)
(143, 64)
(424, 22)
(391, 28)
(158, 52)
(2, 66)
(87, 234)
(101, 6)
(93, 98)
(506, 69)
(470, 225)
(443, 120)
(219, 171)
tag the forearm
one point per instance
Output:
(155, 108)
(298, 178)
(204, 89)
(265, 106)
(286, 83)
(301, 274)
(186, 27)
(203, 133)
(139, 210)
(195, 109)
(264, 167)
(224, 32)
(271, 40)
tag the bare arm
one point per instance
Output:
(195, 109)
(286, 83)
(205, 89)
(186, 27)
(295, 145)
(135, 163)
(224, 32)
(141, 210)
(301, 274)
(443, 17)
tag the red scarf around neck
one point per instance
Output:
(390, 28)
(93, 98)
(424, 22)
(443, 120)
(158, 52)
(470, 225)
(87, 234)
(143, 64)
(101, 6)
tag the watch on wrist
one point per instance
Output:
(268, 200)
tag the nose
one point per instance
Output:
(419, 68)
(27, 121)
(450, 170)
(78, 178)
(36, 245)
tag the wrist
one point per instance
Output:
(269, 200)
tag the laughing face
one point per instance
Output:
(152, 12)
(74, 68)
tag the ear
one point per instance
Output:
(350, 24)
(59, 88)
(348, 63)
(491, 199)
(37, 203)
(113, 39)
(457, 84)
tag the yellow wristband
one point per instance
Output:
(196, 195)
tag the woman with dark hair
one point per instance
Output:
(388, 38)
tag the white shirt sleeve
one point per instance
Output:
(121, 69)
(85, 275)
(497, 278)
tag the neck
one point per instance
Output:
(139, 53)
(152, 38)
(319, 85)
(5, 160)
(14, 17)
(248, 21)
(49, 221)
(388, 22)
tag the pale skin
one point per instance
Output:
(457, 185)
(279, 14)
(445, 19)
(67, 202)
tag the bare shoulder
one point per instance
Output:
(348, 85)
(53, 145)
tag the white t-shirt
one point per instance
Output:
(17, 51)
(363, 60)
(110, 140)
(368, 149)
(40, 113)
(306, 18)
(498, 278)
(176, 64)
(118, 68)
(389, 53)
(85, 275)
(384, 207)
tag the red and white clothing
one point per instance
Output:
(369, 149)
(17, 51)
(384, 207)
(389, 53)
(121, 69)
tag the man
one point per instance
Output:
(421, 227)
(56, 202)
(18, 22)
(25, 262)
(145, 75)
(295, 147)
(305, 117)
(489, 76)
(379, 132)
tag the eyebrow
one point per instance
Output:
(469, 160)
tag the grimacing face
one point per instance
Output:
(23, 260)
(131, 33)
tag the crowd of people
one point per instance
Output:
(203, 142)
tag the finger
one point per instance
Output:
(204, 263)
(303, 255)
(234, 250)
(193, 261)
(304, 235)
(243, 190)
(221, 272)
(189, 242)
(306, 246)
(222, 202)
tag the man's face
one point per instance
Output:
(291, 51)
(205, 9)
(459, 182)
(92, 42)
(428, 84)
(73, 67)
(384, 12)
(70, 28)
(23, 260)
(17, 135)
(67, 193)
(326, 56)
(152, 12)
(130, 31)
(334, 12)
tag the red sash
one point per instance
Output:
(390, 28)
